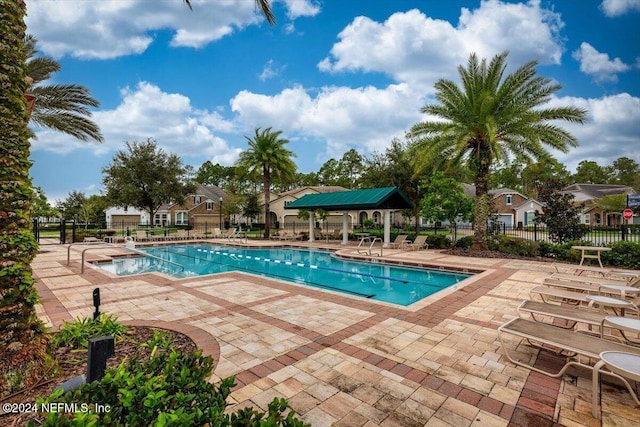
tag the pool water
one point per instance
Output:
(377, 281)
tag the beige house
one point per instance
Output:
(512, 208)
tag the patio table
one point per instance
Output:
(586, 252)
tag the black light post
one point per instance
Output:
(221, 226)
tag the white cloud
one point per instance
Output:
(613, 8)
(147, 111)
(598, 65)
(610, 132)
(270, 70)
(364, 118)
(111, 29)
(412, 47)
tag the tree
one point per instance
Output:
(61, 107)
(488, 119)
(626, 171)
(41, 206)
(536, 174)
(146, 177)
(251, 209)
(445, 200)
(561, 214)
(74, 207)
(589, 172)
(395, 169)
(22, 340)
(263, 5)
(267, 155)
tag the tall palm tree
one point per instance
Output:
(263, 5)
(489, 119)
(22, 343)
(61, 107)
(268, 156)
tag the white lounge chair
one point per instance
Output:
(419, 243)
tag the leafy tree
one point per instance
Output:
(267, 155)
(445, 200)
(41, 207)
(307, 179)
(508, 177)
(218, 175)
(535, 174)
(251, 208)
(96, 207)
(589, 172)
(393, 168)
(625, 171)
(489, 118)
(22, 340)
(74, 207)
(351, 166)
(561, 214)
(61, 107)
(613, 203)
(329, 173)
(145, 177)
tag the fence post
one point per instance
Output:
(36, 232)
(535, 232)
(623, 231)
(63, 231)
(73, 231)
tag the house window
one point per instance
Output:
(508, 199)
(286, 203)
(209, 206)
(586, 219)
(598, 219)
(126, 209)
(182, 218)
(197, 199)
(160, 219)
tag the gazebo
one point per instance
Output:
(385, 199)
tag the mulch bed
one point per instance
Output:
(71, 363)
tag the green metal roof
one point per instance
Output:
(372, 198)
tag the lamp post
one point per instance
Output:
(221, 227)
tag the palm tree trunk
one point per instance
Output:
(483, 201)
(267, 201)
(21, 332)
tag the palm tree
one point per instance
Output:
(61, 107)
(263, 5)
(268, 156)
(489, 119)
(22, 343)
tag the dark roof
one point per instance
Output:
(372, 198)
(597, 191)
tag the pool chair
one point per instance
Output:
(419, 243)
(217, 233)
(631, 280)
(400, 241)
(577, 347)
(180, 235)
(142, 236)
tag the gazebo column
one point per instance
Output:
(387, 228)
(312, 216)
(345, 228)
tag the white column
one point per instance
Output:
(345, 228)
(311, 226)
(387, 228)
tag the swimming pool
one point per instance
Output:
(378, 281)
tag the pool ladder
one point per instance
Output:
(362, 249)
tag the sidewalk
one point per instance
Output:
(346, 361)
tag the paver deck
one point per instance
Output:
(347, 361)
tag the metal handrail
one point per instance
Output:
(85, 243)
(133, 249)
(377, 239)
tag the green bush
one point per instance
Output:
(438, 241)
(464, 242)
(623, 254)
(77, 334)
(170, 389)
(516, 246)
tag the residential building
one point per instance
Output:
(590, 195)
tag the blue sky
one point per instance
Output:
(332, 74)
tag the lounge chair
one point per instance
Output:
(142, 236)
(591, 288)
(401, 240)
(633, 281)
(419, 243)
(580, 346)
(180, 235)
(217, 233)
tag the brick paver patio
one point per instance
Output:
(346, 361)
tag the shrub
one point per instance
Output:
(438, 241)
(516, 246)
(464, 242)
(623, 254)
(170, 389)
(77, 334)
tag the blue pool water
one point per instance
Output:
(383, 282)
